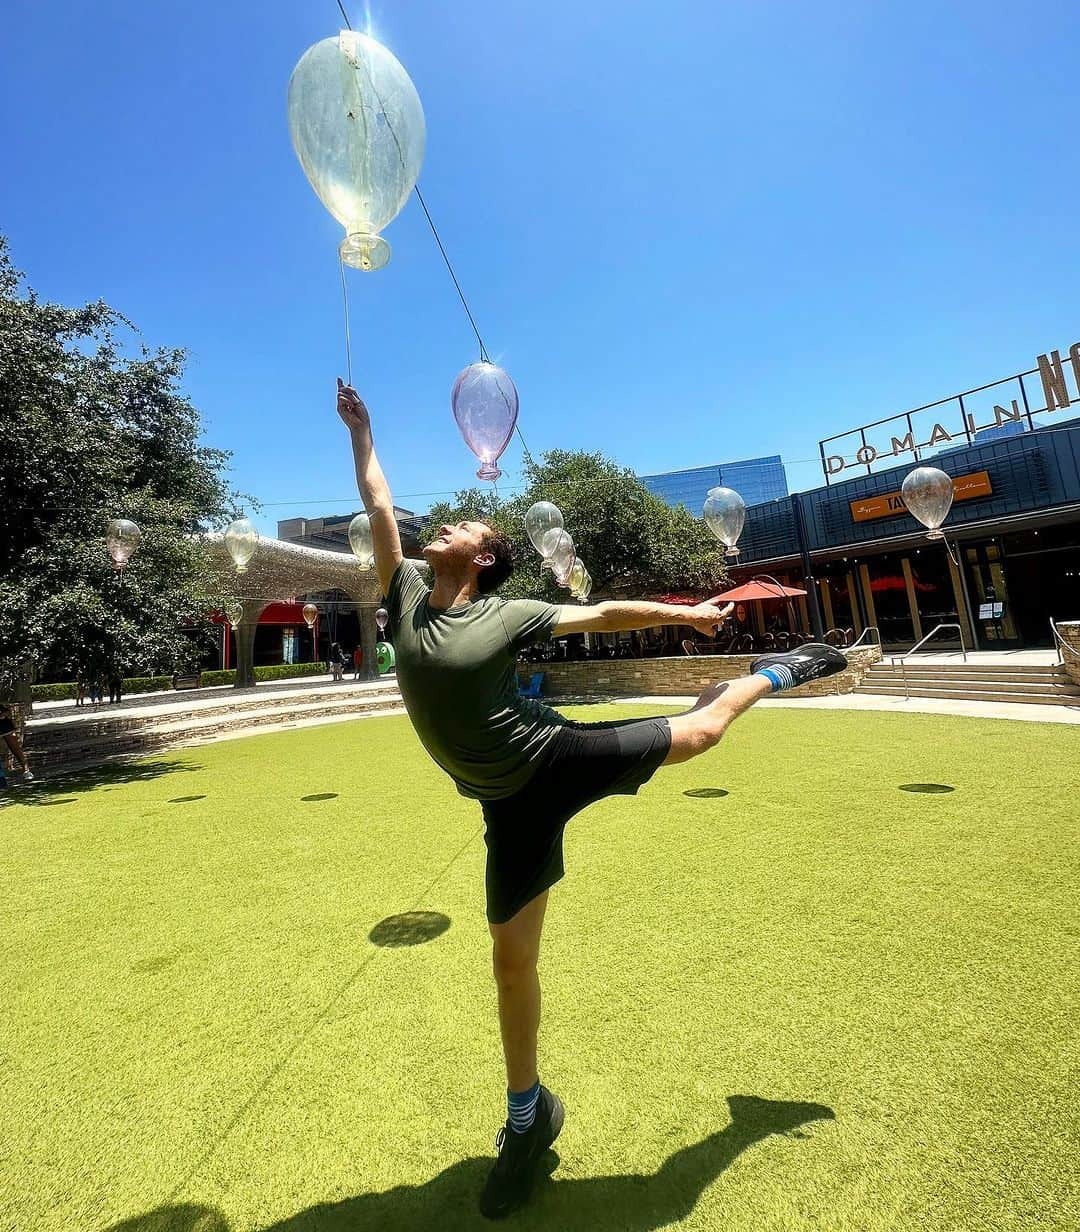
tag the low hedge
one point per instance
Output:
(208, 680)
(66, 692)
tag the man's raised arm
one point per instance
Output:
(374, 490)
(618, 617)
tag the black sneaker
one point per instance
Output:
(814, 661)
(510, 1182)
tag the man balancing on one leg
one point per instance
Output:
(456, 647)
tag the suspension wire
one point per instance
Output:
(348, 336)
(450, 269)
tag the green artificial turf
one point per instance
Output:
(780, 993)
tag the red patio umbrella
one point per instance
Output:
(759, 590)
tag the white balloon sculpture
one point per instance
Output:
(544, 526)
(361, 542)
(357, 127)
(241, 540)
(123, 538)
(725, 514)
(928, 494)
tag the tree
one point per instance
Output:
(630, 540)
(89, 433)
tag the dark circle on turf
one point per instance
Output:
(927, 789)
(185, 799)
(322, 795)
(409, 928)
(707, 793)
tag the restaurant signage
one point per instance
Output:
(1008, 404)
(888, 505)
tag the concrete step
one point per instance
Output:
(48, 730)
(80, 745)
(990, 693)
(982, 670)
(1008, 684)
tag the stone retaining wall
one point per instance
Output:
(677, 677)
(1070, 634)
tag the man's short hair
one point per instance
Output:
(492, 576)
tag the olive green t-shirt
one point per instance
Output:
(456, 671)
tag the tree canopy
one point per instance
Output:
(90, 432)
(630, 540)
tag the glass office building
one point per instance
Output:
(756, 480)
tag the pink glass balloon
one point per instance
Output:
(485, 405)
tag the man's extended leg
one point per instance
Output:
(701, 727)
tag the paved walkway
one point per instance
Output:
(898, 705)
(981, 658)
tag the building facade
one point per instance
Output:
(1011, 565)
(755, 479)
(332, 532)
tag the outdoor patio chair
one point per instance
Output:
(532, 689)
(689, 647)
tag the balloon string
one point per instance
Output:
(348, 336)
(450, 269)
(485, 358)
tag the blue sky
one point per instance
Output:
(691, 232)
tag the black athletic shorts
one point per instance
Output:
(6, 725)
(583, 763)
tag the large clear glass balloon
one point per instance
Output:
(360, 540)
(485, 405)
(234, 613)
(357, 127)
(559, 555)
(123, 538)
(725, 513)
(311, 614)
(928, 494)
(382, 618)
(542, 517)
(576, 580)
(241, 540)
(586, 587)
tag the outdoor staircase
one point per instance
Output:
(71, 738)
(1029, 684)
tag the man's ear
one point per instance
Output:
(484, 559)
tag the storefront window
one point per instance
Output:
(888, 587)
(934, 593)
(290, 649)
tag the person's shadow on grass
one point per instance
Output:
(629, 1203)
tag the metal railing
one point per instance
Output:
(869, 629)
(902, 659)
(1061, 645)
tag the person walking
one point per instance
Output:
(530, 769)
(337, 661)
(357, 660)
(9, 733)
(116, 685)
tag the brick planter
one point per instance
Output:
(1070, 635)
(681, 676)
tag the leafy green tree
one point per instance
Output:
(632, 542)
(89, 432)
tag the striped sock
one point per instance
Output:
(521, 1107)
(780, 676)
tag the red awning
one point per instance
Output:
(759, 590)
(273, 614)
